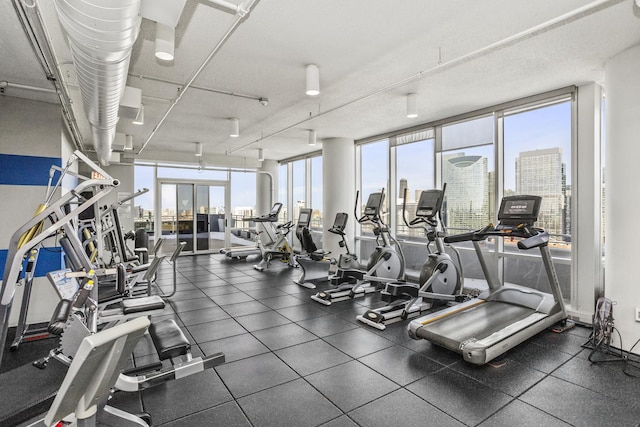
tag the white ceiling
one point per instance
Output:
(457, 55)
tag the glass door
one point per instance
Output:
(194, 213)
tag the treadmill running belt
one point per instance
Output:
(477, 322)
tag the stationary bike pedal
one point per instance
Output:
(373, 316)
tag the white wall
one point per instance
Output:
(31, 129)
(622, 198)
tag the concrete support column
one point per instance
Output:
(338, 189)
(622, 201)
(266, 185)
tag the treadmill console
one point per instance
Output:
(519, 211)
(340, 223)
(374, 205)
(429, 204)
(304, 218)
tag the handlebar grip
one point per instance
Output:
(460, 237)
(539, 239)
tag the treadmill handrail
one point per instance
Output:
(532, 237)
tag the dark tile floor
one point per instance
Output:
(293, 362)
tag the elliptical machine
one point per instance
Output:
(315, 263)
(441, 281)
(281, 249)
(386, 263)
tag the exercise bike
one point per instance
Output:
(280, 249)
(386, 263)
(315, 263)
(440, 279)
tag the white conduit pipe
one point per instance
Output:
(239, 9)
(567, 18)
(101, 35)
(234, 24)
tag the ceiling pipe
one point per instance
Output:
(232, 27)
(529, 33)
(232, 8)
(101, 38)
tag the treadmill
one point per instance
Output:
(502, 317)
(242, 252)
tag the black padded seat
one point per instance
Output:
(140, 268)
(137, 305)
(168, 339)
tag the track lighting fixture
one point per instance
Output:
(165, 42)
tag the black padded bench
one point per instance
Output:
(168, 339)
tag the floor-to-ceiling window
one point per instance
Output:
(299, 185)
(316, 194)
(283, 190)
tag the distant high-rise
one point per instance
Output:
(403, 187)
(542, 173)
(467, 204)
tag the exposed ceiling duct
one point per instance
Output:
(101, 34)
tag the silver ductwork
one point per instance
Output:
(101, 34)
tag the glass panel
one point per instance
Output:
(299, 187)
(243, 203)
(468, 134)
(143, 212)
(537, 161)
(374, 166)
(283, 192)
(469, 175)
(415, 173)
(169, 219)
(216, 217)
(316, 193)
(202, 217)
(185, 215)
(193, 174)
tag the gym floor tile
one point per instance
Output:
(343, 421)
(312, 356)
(227, 415)
(264, 320)
(245, 308)
(257, 373)
(325, 326)
(185, 295)
(209, 282)
(351, 384)
(220, 290)
(605, 378)
(527, 416)
(432, 351)
(295, 403)
(358, 342)
(284, 336)
(282, 301)
(567, 343)
(226, 274)
(579, 406)
(205, 390)
(301, 312)
(511, 377)
(236, 347)
(538, 357)
(400, 364)
(185, 286)
(264, 293)
(401, 408)
(211, 314)
(459, 396)
(210, 331)
(251, 286)
(234, 298)
(192, 304)
(240, 279)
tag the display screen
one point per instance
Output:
(429, 203)
(374, 202)
(304, 218)
(518, 207)
(276, 209)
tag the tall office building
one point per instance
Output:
(467, 202)
(542, 173)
